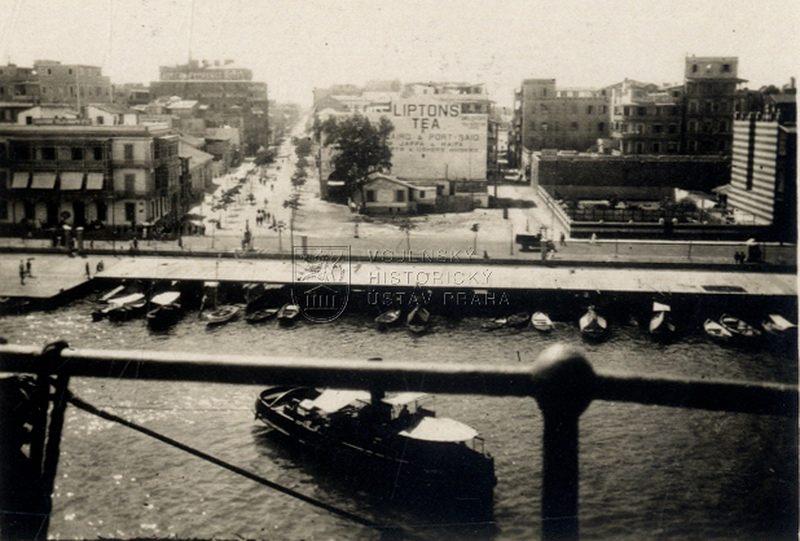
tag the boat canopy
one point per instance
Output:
(126, 299)
(401, 399)
(659, 307)
(332, 400)
(781, 322)
(168, 297)
(439, 429)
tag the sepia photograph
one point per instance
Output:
(398, 270)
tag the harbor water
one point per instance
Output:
(646, 472)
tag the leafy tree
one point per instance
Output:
(266, 157)
(302, 146)
(361, 147)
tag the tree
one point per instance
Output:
(302, 146)
(266, 157)
(361, 147)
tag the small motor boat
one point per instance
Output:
(259, 316)
(518, 320)
(661, 324)
(541, 322)
(388, 318)
(418, 319)
(716, 331)
(118, 304)
(494, 324)
(128, 311)
(593, 326)
(778, 325)
(288, 313)
(740, 329)
(166, 310)
(223, 314)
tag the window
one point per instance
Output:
(672, 148)
(102, 211)
(97, 153)
(658, 128)
(3, 180)
(641, 111)
(589, 109)
(626, 111)
(422, 194)
(693, 106)
(726, 68)
(400, 196)
(544, 92)
(130, 212)
(48, 153)
(3, 209)
(20, 151)
(128, 152)
(69, 71)
(77, 154)
(656, 148)
(692, 127)
(639, 148)
(601, 127)
(370, 196)
(694, 68)
(100, 120)
(603, 109)
(574, 126)
(28, 119)
(130, 182)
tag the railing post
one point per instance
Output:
(563, 385)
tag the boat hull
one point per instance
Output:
(437, 469)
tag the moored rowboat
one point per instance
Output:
(541, 322)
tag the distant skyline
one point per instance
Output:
(295, 46)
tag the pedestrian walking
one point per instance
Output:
(100, 266)
(88, 271)
(563, 239)
(21, 272)
(28, 267)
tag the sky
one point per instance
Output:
(296, 45)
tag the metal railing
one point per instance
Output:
(561, 380)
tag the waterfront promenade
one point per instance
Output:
(56, 273)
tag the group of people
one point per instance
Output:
(263, 217)
(25, 270)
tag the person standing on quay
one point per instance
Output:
(28, 267)
(21, 272)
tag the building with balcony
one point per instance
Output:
(645, 118)
(104, 177)
(710, 89)
(549, 117)
(228, 93)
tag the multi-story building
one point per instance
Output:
(548, 117)
(106, 176)
(231, 96)
(73, 84)
(130, 94)
(645, 118)
(18, 84)
(763, 187)
(710, 96)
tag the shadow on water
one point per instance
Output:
(415, 509)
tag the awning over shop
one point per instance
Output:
(71, 181)
(94, 181)
(20, 180)
(43, 181)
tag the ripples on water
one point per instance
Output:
(645, 471)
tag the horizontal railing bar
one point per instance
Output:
(509, 380)
(743, 397)
(495, 380)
